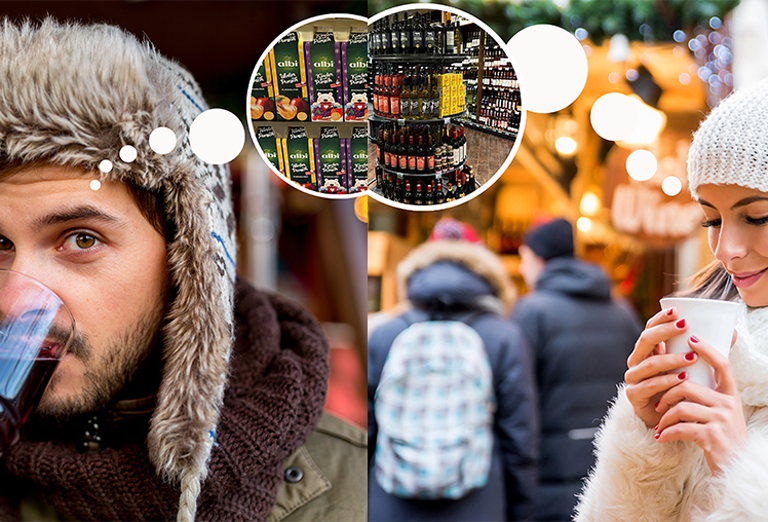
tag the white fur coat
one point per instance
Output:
(638, 479)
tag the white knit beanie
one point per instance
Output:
(731, 145)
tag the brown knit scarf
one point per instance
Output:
(274, 399)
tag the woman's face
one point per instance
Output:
(737, 221)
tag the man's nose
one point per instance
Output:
(26, 300)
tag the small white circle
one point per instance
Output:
(105, 166)
(551, 64)
(95, 184)
(614, 116)
(641, 165)
(614, 77)
(128, 153)
(584, 224)
(216, 136)
(565, 145)
(162, 140)
(671, 186)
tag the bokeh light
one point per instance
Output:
(590, 204)
(552, 66)
(641, 165)
(565, 145)
(614, 116)
(216, 136)
(614, 77)
(162, 140)
(584, 224)
(671, 186)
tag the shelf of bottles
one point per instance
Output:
(493, 92)
(423, 164)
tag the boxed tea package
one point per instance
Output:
(323, 56)
(330, 158)
(299, 158)
(289, 79)
(357, 160)
(354, 57)
(270, 146)
(262, 94)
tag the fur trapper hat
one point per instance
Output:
(74, 95)
(730, 147)
(474, 257)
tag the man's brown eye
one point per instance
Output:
(5, 244)
(85, 240)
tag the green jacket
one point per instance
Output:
(326, 479)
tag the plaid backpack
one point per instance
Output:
(435, 408)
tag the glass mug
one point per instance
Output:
(36, 329)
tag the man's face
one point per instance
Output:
(531, 266)
(103, 258)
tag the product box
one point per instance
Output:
(357, 160)
(330, 158)
(262, 95)
(299, 158)
(270, 146)
(323, 57)
(289, 79)
(354, 57)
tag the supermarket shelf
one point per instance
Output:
(419, 58)
(445, 119)
(508, 135)
(400, 173)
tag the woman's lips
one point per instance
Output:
(747, 279)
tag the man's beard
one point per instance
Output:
(119, 362)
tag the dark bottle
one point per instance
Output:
(411, 151)
(385, 47)
(394, 36)
(449, 37)
(380, 147)
(387, 151)
(439, 195)
(429, 198)
(405, 35)
(402, 155)
(408, 196)
(375, 39)
(459, 187)
(451, 194)
(379, 177)
(417, 35)
(398, 190)
(420, 157)
(418, 198)
(430, 36)
(394, 96)
(429, 165)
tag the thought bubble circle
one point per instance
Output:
(162, 140)
(552, 65)
(105, 166)
(216, 136)
(614, 116)
(128, 153)
(95, 184)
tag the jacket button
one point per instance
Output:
(294, 474)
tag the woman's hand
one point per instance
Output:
(713, 419)
(647, 379)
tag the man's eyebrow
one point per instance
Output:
(73, 214)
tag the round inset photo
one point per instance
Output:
(447, 111)
(308, 105)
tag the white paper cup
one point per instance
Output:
(710, 321)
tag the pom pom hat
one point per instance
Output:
(731, 145)
(74, 95)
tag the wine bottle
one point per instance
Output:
(429, 36)
(402, 155)
(430, 156)
(394, 36)
(405, 35)
(439, 195)
(420, 156)
(417, 35)
(408, 197)
(411, 151)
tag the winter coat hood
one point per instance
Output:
(456, 271)
(75, 96)
(574, 277)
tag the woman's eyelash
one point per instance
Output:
(757, 221)
(711, 223)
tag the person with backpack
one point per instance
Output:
(452, 410)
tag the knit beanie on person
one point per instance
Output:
(75, 95)
(731, 145)
(550, 240)
(451, 229)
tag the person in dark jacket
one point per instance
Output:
(468, 276)
(581, 338)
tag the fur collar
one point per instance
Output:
(749, 356)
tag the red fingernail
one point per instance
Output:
(694, 339)
(656, 428)
(670, 311)
(680, 323)
(656, 405)
(657, 435)
(682, 375)
(690, 356)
